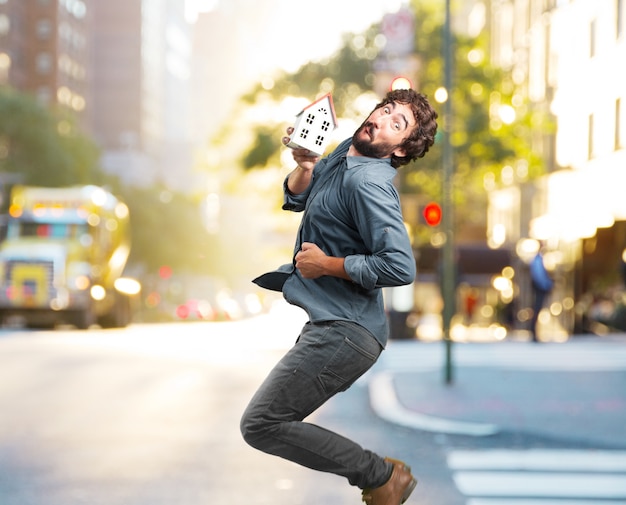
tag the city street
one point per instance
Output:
(453, 167)
(149, 415)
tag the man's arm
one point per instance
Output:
(313, 263)
(300, 178)
(378, 216)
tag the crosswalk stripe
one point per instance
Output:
(539, 476)
(539, 460)
(523, 501)
(543, 485)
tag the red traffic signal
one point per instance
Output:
(432, 214)
(165, 272)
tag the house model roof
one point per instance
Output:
(314, 125)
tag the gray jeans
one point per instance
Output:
(327, 358)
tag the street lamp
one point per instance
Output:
(448, 270)
(441, 94)
(401, 82)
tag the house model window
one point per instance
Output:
(314, 126)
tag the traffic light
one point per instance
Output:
(401, 82)
(165, 272)
(432, 214)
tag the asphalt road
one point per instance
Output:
(149, 415)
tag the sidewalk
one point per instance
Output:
(575, 390)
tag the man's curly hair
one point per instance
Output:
(423, 135)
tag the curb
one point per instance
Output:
(385, 403)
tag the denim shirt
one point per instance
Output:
(351, 211)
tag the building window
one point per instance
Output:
(618, 124)
(590, 138)
(43, 63)
(44, 29)
(44, 95)
(5, 24)
(592, 39)
(550, 5)
(5, 66)
(77, 8)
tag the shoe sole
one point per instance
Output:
(412, 485)
(405, 496)
(407, 492)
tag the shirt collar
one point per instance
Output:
(355, 161)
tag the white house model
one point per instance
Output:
(314, 125)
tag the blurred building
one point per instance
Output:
(230, 53)
(214, 96)
(45, 50)
(123, 66)
(567, 57)
(141, 79)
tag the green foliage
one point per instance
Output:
(43, 147)
(167, 229)
(347, 74)
(483, 143)
(267, 141)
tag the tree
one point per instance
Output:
(484, 142)
(42, 146)
(167, 229)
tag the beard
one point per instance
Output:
(364, 145)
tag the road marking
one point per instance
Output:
(539, 460)
(577, 356)
(553, 485)
(385, 404)
(539, 476)
(552, 501)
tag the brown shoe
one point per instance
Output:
(396, 490)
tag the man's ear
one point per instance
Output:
(400, 152)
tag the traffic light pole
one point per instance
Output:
(448, 271)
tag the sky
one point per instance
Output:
(285, 20)
(261, 37)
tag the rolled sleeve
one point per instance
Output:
(356, 267)
(390, 261)
(370, 271)
(295, 203)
